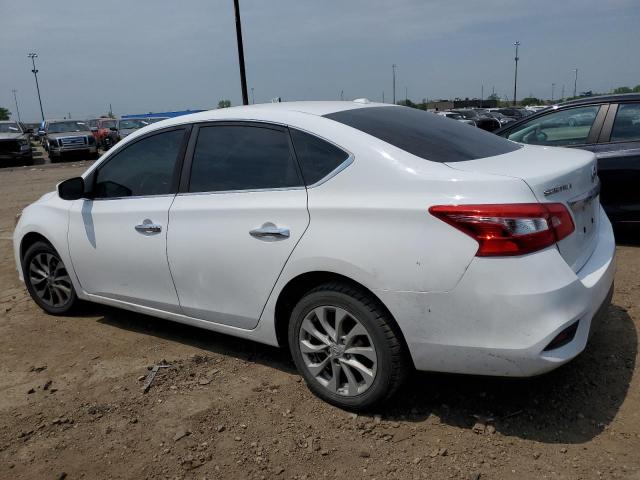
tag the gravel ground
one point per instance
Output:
(71, 402)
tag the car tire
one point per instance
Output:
(48, 280)
(364, 363)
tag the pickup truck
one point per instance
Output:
(15, 148)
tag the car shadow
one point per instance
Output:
(572, 404)
(627, 234)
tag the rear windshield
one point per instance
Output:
(425, 135)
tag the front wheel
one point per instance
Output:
(48, 280)
(347, 347)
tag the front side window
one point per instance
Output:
(144, 168)
(626, 126)
(317, 158)
(238, 157)
(559, 128)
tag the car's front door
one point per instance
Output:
(118, 238)
(618, 155)
(240, 213)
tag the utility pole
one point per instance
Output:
(481, 95)
(341, 94)
(383, 96)
(110, 111)
(575, 83)
(243, 76)
(406, 96)
(515, 78)
(33, 57)
(553, 87)
(393, 67)
(253, 97)
(16, 100)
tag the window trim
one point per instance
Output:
(185, 177)
(343, 165)
(607, 128)
(91, 178)
(592, 136)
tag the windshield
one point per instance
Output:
(109, 124)
(9, 128)
(133, 123)
(156, 119)
(424, 134)
(62, 127)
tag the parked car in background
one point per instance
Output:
(456, 116)
(126, 126)
(64, 137)
(104, 131)
(15, 147)
(503, 119)
(608, 126)
(513, 112)
(368, 239)
(156, 119)
(482, 121)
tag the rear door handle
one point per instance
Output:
(147, 226)
(270, 231)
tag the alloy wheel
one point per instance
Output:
(50, 280)
(338, 351)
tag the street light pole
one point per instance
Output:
(16, 100)
(243, 76)
(33, 57)
(253, 97)
(393, 67)
(575, 83)
(515, 78)
(553, 87)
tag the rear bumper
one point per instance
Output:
(504, 312)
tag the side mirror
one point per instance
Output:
(72, 189)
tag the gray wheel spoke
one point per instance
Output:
(308, 347)
(367, 373)
(333, 384)
(352, 383)
(321, 314)
(356, 331)
(308, 327)
(367, 352)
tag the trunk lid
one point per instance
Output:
(555, 175)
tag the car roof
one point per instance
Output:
(621, 97)
(261, 111)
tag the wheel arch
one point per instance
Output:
(298, 286)
(29, 239)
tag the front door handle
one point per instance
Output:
(270, 231)
(148, 227)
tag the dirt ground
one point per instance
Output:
(71, 404)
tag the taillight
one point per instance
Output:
(512, 229)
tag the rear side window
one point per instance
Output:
(230, 157)
(317, 158)
(626, 126)
(425, 135)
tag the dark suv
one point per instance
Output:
(609, 126)
(15, 147)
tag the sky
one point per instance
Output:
(159, 55)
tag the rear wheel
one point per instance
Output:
(47, 279)
(346, 347)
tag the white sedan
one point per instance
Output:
(368, 239)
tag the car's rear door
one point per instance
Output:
(241, 211)
(618, 153)
(118, 238)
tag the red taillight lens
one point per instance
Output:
(513, 229)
